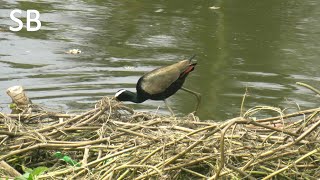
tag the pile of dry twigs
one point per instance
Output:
(111, 141)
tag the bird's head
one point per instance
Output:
(123, 95)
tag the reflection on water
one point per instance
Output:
(264, 46)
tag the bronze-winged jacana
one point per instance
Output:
(161, 83)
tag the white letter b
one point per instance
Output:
(36, 19)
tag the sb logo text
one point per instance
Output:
(29, 20)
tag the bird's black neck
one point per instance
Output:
(134, 97)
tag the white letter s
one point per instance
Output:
(13, 18)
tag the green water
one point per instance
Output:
(264, 46)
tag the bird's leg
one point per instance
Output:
(196, 94)
(169, 108)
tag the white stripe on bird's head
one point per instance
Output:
(119, 92)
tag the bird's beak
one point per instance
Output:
(193, 56)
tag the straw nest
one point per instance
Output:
(111, 141)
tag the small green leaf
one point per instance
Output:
(31, 174)
(39, 170)
(28, 170)
(69, 160)
(58, 154)
(26, 175)
(13, 106)
(66, 159)
(30, 177)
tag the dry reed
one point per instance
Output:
(111, 141)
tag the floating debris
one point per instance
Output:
(214, 7)
(74, 51)
(128, 67)
(159, 10)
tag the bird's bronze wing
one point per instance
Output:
(160, 79)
